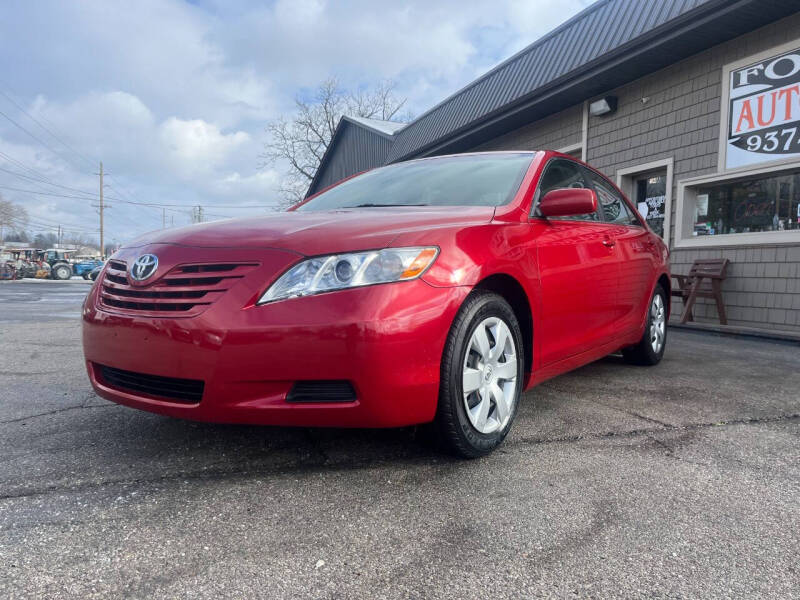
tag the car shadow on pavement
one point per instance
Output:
(148, 443)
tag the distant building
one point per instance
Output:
(692, 106)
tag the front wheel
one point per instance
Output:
(481, 376)
(650, 348)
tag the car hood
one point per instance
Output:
(323, 232)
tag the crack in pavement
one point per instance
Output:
(632, 413)
(56, 411)
(631, 433)
(323, 461)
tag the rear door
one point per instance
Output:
(635, 250)
(578, 272)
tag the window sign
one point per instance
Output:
(764, 111)
(651, 198)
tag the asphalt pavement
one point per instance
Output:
(679, 481)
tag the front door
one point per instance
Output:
(635, 250)
(578, 270)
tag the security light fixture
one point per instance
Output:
(604, 106)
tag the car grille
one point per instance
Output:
(186, 290)
(187, 391)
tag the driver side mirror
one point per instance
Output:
(568, 202)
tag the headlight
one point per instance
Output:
(340, 271)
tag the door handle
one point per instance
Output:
(609, 243)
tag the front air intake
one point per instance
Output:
(322, 391)
(173, 389)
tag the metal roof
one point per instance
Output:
(386, 127)
(358, 144)
(601, 33)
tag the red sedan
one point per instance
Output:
(431, 291)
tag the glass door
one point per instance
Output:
(650, 197)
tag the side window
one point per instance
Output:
(560, 174)
(614, 208)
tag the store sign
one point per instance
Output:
(764, 111)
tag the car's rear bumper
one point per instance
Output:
(386, 340)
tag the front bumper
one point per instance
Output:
(386, 340)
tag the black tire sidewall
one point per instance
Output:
(643, 353)
(483, 305)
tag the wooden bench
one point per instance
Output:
(703, 281)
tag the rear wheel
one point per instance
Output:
(62, 272)
(481, 376)
(650, 348)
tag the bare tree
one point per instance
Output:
(13, 216)
(43, 241)
(301, 139)
(80, 240)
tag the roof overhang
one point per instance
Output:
(710, 24)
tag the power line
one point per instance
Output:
(22, 225)
(117, 199)
(45, 144)
(38, 193)
(46, 182)
(19, 164)
(35, 120)
(41, 179)
(47, 221)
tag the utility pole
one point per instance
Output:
(102, 247)
(197, 214)
(102, 206)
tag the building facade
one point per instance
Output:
(703, 135)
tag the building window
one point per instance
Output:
(758, 208)
(766, 203)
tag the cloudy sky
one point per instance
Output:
(173, 96)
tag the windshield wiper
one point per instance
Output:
(376, 205)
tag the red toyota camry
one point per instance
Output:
(430, 291)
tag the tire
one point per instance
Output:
(496, 399)
(647, 352)
(62, 272)
(86, 276)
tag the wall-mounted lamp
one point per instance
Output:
(605, 106)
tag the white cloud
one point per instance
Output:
(196, 146)
(173, 96)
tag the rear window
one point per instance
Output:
(470, 180)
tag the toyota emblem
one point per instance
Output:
(144, 267)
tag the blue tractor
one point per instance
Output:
(85, 267)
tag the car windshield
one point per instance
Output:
(469, 180)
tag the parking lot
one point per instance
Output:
(677, 481)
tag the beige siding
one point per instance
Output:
(680, 119)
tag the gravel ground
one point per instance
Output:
(675, 481)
